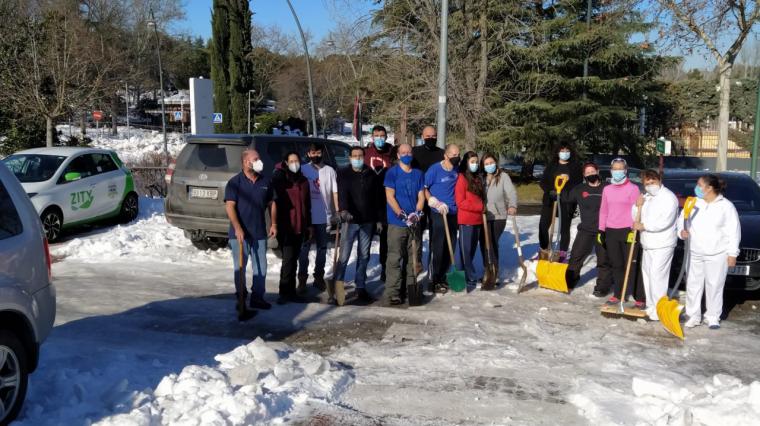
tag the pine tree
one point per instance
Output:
(220, 40)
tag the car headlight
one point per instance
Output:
(31, 194)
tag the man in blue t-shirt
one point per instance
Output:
(404, 193)
(247, 196)
(440, 180)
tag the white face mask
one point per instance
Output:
(294, 167)
(652, 189)
(257, 166)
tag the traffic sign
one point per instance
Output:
(178, 115)
(217, 118)
(97, 115)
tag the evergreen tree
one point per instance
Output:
(220, 39)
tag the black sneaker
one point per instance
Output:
(441, 288)
(601, 293)
(259, 303)
(363, 295)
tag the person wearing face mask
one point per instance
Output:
(293, 201)
(324, 201)
(615, 227)
(359, 206)
(714, 234)
(246, 198)
(501, 201)
(564, 163)
(405, 197)
(468, 194)
(378, 157)
(659, 209)
(425, 156)
(440, 181)
(588, 197)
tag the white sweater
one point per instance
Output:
(713, 227)
(659, 218)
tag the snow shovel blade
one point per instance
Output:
(669, 312)
(552, 276)
(489, 279)
(456, 280)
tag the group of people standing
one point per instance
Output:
(398, 191)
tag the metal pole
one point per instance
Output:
(126, 101)
(249, 112)
(756, 136)
(585, 60)
(182, 113)
(161, 82)
(443, 74)
(308, 69)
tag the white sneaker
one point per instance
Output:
(713, 324)
(693, 322)
(652, 314)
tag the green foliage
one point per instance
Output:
(265, 122)
(188, 58)
(697, 99)
(19, 134)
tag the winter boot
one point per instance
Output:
(259, 303)
(340, 293)
(243, 314)
(319, 282)
(301, 289)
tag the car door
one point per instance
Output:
(76, 187)
(110, 182)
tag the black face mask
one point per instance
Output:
(592, 178)
(455, 161)
(317, 159)
(430, 142)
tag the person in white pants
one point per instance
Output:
(714, 233)
(659, 210)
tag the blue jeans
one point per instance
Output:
(320, 240)
(257, 251)
(469, 236)
(351, 232)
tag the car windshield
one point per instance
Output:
(33, 167)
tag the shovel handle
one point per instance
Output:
(630, 261)
(448, 237)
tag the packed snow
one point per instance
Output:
(133, 145)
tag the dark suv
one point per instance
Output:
(196, 180)
(745, 194)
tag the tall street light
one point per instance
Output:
(443, 74)
(152, 23)
(308, 69)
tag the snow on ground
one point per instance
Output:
(133, 145)
(143, 317)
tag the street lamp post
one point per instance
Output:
(152, 23)
(443, 74)
(249, 109)
(126, 103)
(308, 68)
(182, 113)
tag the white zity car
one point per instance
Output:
(74, 186)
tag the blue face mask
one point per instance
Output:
(490, 168)
(406, 159)
(357, 163)
(618, 176)
(379, 142)
(473, 167)
(699, 192)
(564, 155)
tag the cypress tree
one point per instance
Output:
(220, 40)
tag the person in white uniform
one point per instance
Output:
(659, 210)
(714, 233)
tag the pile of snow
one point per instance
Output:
(723, 401)
(366, 139)
(133, 145)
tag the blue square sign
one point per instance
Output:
(178, 115)
(217, 118)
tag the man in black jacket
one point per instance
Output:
(588, 196)
(359, 207)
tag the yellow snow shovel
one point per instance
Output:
(551, 272)
(668, 308)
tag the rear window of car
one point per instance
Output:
(211, 157)
(744, 194)
(10, 222)
(340, 154)
(33, 167)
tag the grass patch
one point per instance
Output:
(529, 192)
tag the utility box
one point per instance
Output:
(201, 106)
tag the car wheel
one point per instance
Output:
(52, 223)
(14, 376)
(129, 208)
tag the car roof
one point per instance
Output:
(696, 174)
(245, 139)
(65, 151)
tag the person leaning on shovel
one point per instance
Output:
(501, 201)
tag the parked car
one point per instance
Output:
(196, 181)
(605, 173)
(75, 186)
(745, 194)
(27, 295)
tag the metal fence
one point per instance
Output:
(149, 181)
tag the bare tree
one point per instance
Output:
(721, 27)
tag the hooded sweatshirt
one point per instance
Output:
(714, 228)
(293, 200)
(377, 159)
(617, 201)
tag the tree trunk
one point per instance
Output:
(526, 173)
(470, 134)
(114, 113)
(401, 137)
(725, 97)
(49, 131)
(83, 125)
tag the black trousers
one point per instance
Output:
(617, 250)
(290, 245)
(495, 229)
(383, 246)
(439, 247)
(584, 243)
(546, 219)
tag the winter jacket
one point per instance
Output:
(573, 168)
(617, 201)
(500, 196)
(358, 194)
(293, 201)
(377, 159)
(424, 157)
(659, 218)
(589, 200)
(469, 205)
(714, 228)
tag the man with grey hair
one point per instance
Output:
(247, 197)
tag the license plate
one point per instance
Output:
(209, 194)
(738, 270)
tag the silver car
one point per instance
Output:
(27, 296)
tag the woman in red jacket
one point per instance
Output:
(468, 194)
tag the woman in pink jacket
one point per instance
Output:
(615, 224)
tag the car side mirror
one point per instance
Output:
(72, 176)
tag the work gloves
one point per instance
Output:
(438, 205)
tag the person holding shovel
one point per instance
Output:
(468, 193)
(440, 181)
(501, 201)
(714, 234)
(405, 197)
(659, 210)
